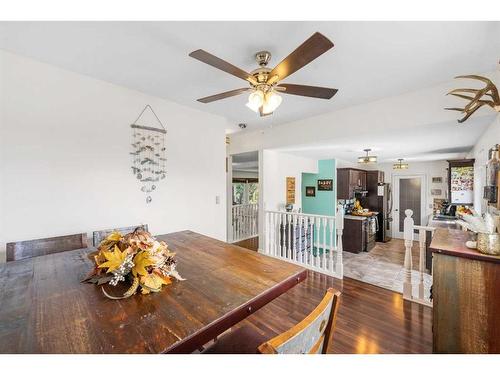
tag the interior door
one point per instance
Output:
(408, 193)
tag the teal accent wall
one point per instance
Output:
(325, 202)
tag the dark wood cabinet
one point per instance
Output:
(349, 180)
(354, 235)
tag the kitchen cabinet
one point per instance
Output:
(466, 307)
(354, 235)
(348, 181)
(358, 234)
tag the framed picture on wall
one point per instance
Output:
(310, 191)
(290, 190)
(325, 185)
(437, 180)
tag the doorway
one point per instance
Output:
(243, 199)
(409, 193)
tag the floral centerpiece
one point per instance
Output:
(138, 258)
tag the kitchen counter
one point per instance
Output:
(355, 217)
(452, 242)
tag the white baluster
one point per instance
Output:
(246, 216)
(323, 256)
(331, 248)
(237, 222)
(282, 236)
(267, 224)
(316, 258)
(294, 248)
(300, 254)
(233, 222)
(421, 239)
(289, 233)
(273, 234)
(254, 220)
(408, 237)
(339, 224)
(306, 231)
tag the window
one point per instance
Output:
(253, 192)
(245, 191)
(238, 191)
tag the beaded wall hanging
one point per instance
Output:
(149, 154)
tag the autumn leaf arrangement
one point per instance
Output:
(137, 258)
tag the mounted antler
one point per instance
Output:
(478, 100)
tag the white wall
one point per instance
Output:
(480, 153)
(428, 169)
(65, 163)
(277, 166)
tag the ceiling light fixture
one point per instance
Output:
(258, 101)
(400, 165)
(367, 159)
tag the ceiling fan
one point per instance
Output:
(264, 83)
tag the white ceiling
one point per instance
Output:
(438, 141)
(370, 60)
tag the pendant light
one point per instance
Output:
(400, 165)
(367, 159)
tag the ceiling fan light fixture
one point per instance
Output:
(367, 159)
(272, 102)
(255, 100)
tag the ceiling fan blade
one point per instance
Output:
(313, 47)
(311, 91)
(218, 63)
(223, 95)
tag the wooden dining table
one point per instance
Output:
(45, 308)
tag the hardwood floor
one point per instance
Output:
(250, 243)
(394, 252)
(370, 319)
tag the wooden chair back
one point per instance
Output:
(44, 246)
(99, 235)
(312, 335)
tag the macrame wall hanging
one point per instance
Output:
(149, 153)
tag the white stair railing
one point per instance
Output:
(409, 232)
(244, 219)
(312, 241)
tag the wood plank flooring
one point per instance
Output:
(394, 252)
(370, 319)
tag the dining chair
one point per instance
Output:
(311, 336)
(44, 246)
(99, 235)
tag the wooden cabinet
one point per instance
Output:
(354, 235)
(349, 180)
(466, 304)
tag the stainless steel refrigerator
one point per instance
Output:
(379, 199)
